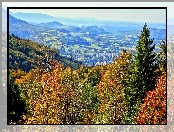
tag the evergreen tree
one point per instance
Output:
(162, 56)
(142, 73)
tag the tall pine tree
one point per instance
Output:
(142, 74)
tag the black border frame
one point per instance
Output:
(8, 8)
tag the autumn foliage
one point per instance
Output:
(103, 94)
(111, 90)
(153, 110)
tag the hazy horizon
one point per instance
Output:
(104, 14)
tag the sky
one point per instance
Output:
(150, 15)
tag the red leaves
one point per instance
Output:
(153, 111)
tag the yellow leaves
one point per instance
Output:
(52, 121)
(36, 113)
(17, 73)
(23, 77)
(68, 70)
(54, 94)
(111, 90)
(59, 89)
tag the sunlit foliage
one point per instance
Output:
(55, 92)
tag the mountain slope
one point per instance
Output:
(22, 28)
(31, 17)
(44, 18)
(26, 54)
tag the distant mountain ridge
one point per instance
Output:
(53, 24)
(44, 18)
(22, 28)
(79, 21)
(27, 30)
(85, 42)
(31, 17)
(16, 21)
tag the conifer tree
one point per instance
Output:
(162, 56)
(142, 75)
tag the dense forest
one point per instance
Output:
(50, 89)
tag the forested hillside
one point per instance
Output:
(25, 54)
(91, 44)
(130, 90)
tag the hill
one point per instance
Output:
(31, 17)
(22, 28)
(26, 54)
(44, 18)
(53, 24)
(90, 44)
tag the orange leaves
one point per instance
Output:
(43, 79)
(51, 79)
(90, 114)
(54, 98)
(17, 73)
(29, 77)
(149, 94)
(153, 111)
(65, 96)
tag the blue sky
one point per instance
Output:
(131, 15)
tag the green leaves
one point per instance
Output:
(27, 55)
(107, 94)
(111, 90)
(142, 75)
